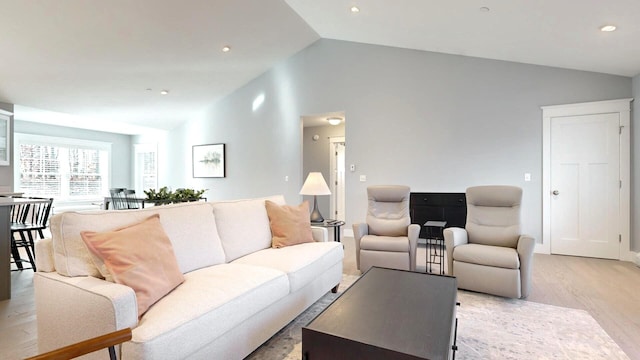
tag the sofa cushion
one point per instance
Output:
(243, 225)
(191, 227)
(290, 225)
(302, 263)
(139, 256)
(209, 303)
(495, 256)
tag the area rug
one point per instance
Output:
(489, 327)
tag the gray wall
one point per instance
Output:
(121, 149)
(263, 146)
(432, 121)
(316, 158)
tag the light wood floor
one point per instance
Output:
(609, 290)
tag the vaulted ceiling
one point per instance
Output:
(103, 64)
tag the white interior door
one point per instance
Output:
(337, 180)
(585, 185)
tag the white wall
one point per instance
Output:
(432, 121)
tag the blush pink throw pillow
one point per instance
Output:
(139, 256)
(290, 225)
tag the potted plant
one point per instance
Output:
(166, 196)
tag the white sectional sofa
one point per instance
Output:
(237, 293)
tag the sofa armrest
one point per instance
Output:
(320, 234)
(526, 245)
(44, 255)
(72, 309)
(453, 236)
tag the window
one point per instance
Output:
(146, 167)
(66, 169)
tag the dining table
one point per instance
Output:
(6, 203)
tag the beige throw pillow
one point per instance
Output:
(140, 256)
(290, 225)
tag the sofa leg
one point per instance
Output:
(335, 289)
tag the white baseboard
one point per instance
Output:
(636, 258)
(542, 249)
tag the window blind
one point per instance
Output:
(62, 169)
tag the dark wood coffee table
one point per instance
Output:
(386, 314)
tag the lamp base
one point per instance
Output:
(316, 217)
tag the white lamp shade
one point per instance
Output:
(315, 185)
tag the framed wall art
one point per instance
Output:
(208, 161)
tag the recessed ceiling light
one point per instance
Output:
(484, 9)
(164, 92)
(608, 28)
(226, 48)
(355, 9)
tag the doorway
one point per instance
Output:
(586, 169)
(337, 181)
(324, 150)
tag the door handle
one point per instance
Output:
(556, 192)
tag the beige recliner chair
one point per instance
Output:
(387, 239)
(490, 255)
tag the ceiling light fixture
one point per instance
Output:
(226, 48)
(334, 120)
(608, 28)
(484, 9)
(164, 92)
(355, 9)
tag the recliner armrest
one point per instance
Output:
(453, 236)
(359, 230)
(526, 245)
(413, 232)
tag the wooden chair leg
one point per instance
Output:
(29, 248)
(16, 254)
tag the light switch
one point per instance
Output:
(286, 178)
(352, 167)
(527, 176)
(363, 178)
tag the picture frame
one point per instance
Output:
(208, 161)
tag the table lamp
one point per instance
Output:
(315, 185)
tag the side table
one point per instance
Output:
(328, 223)
(435, 240)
